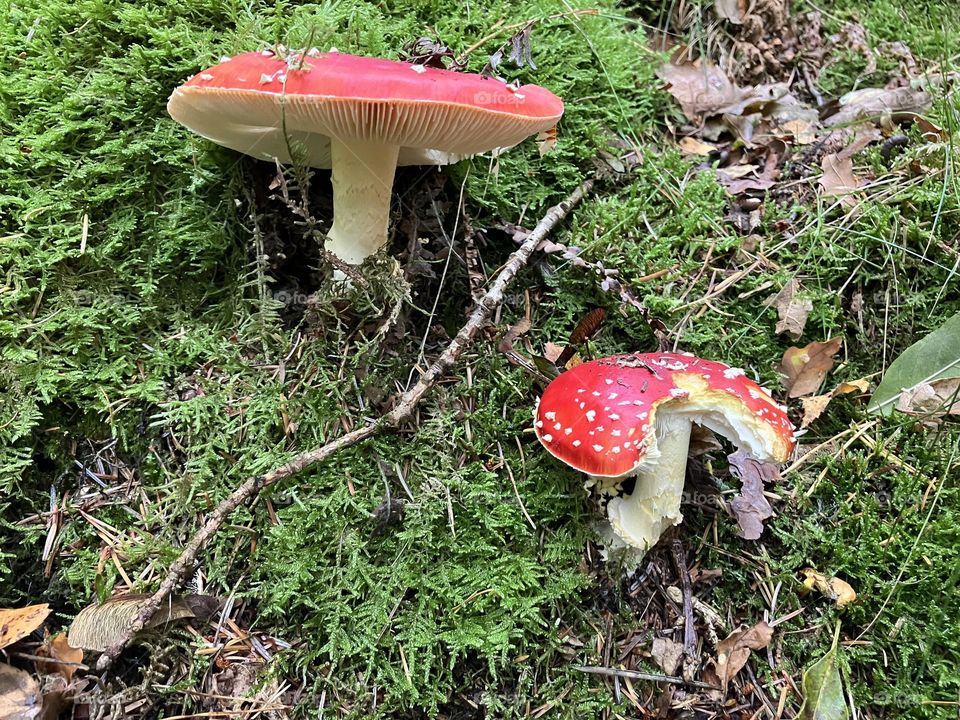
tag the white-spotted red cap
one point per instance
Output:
(260, 102)
(601, 417)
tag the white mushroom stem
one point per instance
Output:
(654, 505)
(362, 184)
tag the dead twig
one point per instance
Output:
(689, 631)
(183, 566)
(636, 675)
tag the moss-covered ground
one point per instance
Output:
(159, 343)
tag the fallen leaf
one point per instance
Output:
(17, 623)
(700, 89)
(97, 627)
(734, 651)
(732, 10)
(750, 507)
(692, 146)
(59, 651)
(814, 406)
(838, 177)
(803, 132)
(521, 327)
(804, 369)
(734, 172)
(792, 310)
(823, 689)
(833, 588)
(934, 357)
(872, 103)
(666, 653)
(941, 397)
(20, 697)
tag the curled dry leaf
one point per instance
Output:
(734, 651)
(751, 507)
(63, 658)
(692, 146)
(873, 103)
(17, 623)
(814, 406)
(732, 10)
(804, 369)
(940, 397)
(833, 588)
(20, 697)
(792, 310)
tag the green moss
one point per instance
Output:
(160, 333)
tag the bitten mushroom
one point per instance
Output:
(361, 117)
(632, 414)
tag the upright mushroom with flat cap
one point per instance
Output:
(361, 117)
(632, 414)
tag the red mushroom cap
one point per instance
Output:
(600, 417)
(240, 104)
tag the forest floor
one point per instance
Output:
(169, 328)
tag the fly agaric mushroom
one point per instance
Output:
(632, 414)
(360, 116)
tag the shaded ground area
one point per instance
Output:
(169, 329)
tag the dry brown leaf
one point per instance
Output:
(838, 177)
(702, 441)
(872, 103)
(551, 351)
(20, 697)
(804, 369)
(701, 90)
(751, 507)
(521, 327)
(835, 589)
(17, 623)
(734, 651)
(735, 172)
(692, 146)
(666, 653)
(814, 406)
(803, 132)
(59, 651)
(732, 10)
(940, 397)
(793, 310)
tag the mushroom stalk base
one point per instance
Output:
(362, 181)
(640, 518)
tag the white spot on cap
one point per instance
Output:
(614, 416)
(548, 438)
(582, 390)
(419, 69)
(598, 448)
(539, 423)
(557, 426)
(582, 405)
(608, 381)
(631, 431)
(612, 396)
(576, 443)
(615, 449)
(550, 415)
(678, 392)
(595, 393)
(731, 373)
(267, 53)
(615, 432)
(591, 414)
(567, 431)
(754, 394)
(206, 76)
(226, 58)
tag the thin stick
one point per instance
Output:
(689, 631)
(637, 675)
(182, 567)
